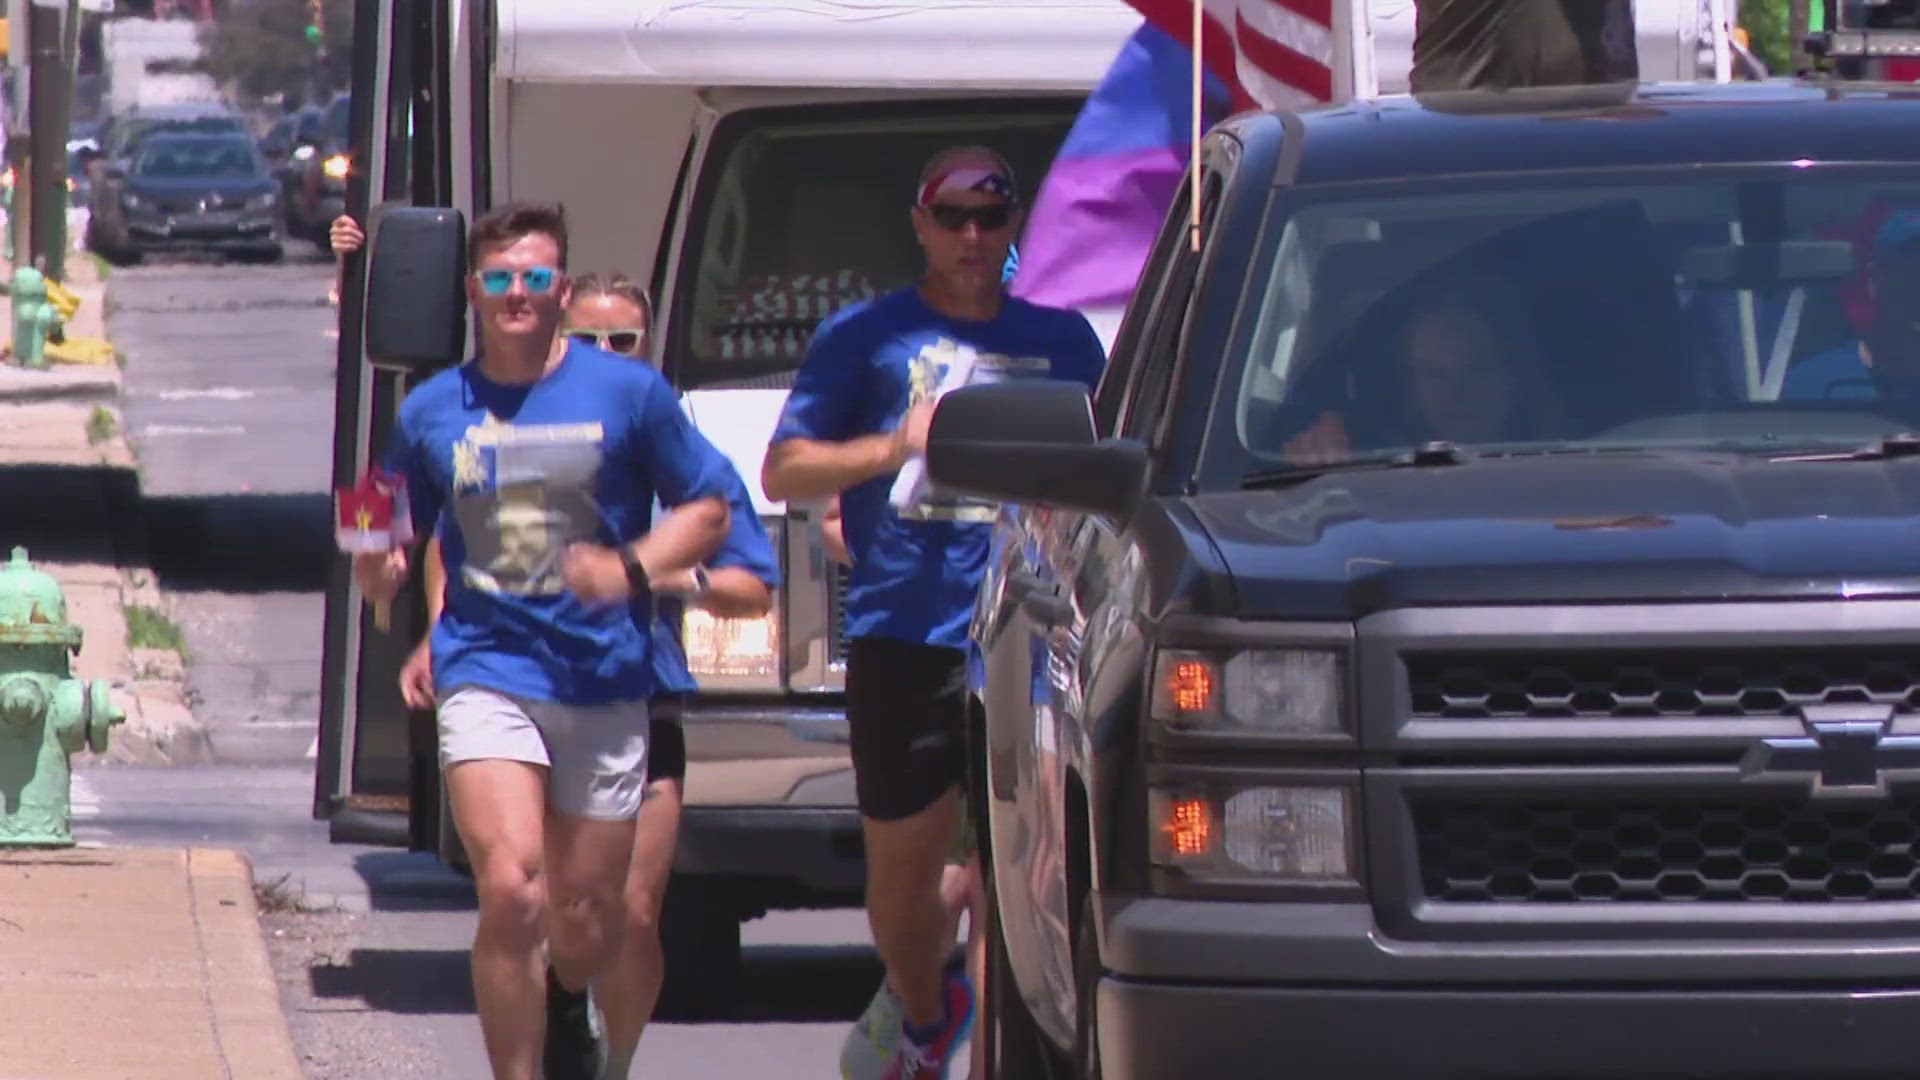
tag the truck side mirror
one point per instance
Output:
(1033, 441)
(416, 305)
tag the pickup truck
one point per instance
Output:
(1470, 631)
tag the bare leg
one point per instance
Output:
(498, 807)
(586, 911)
(905, 861)
(630, 988)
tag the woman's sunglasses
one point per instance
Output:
(954, 218)
(539, 279)
(623, 342)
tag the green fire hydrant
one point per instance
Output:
(34, 317)
(46, 715)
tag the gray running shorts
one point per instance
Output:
(596, 755)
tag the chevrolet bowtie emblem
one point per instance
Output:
(1846, 751)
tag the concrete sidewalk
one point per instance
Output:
(147, 962)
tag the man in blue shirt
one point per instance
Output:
(1885, 362)
(547, 457)
(858, 412)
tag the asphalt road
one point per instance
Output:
(229, 406)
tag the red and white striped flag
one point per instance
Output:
(1271, 53)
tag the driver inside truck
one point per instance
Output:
(1465, 370)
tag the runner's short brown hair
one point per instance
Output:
(508, 222)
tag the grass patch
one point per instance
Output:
(282, 896)
(100, 265)
(101, 426)
(149, 628)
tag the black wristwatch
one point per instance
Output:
(636, 574)
(701, 583)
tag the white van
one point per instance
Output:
(755, 162)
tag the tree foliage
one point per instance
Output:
(260, 48)
(1769, 32)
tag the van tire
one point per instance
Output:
(700, 940)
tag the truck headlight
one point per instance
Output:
(1254, 834)
(731, 651)
(335, 167)
(266, 200)
(1255, 692)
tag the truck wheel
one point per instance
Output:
(700, 937)
(1014, 1045)
(1086, 978)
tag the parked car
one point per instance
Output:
(1470, 631)
(192, 192)
(119, 138)
(289, 144)
(321, 192)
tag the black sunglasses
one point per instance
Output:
(954, 218)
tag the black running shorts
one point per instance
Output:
(666, 739)
(907, 723)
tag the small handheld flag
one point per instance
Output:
(373, 517)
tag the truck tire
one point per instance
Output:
(1014, 1046)
(700, 938)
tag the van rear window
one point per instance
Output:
(809, 215)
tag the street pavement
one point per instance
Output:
(228, 405)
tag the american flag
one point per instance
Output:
(1270, 53)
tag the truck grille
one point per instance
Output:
(1600, 684)
(1750, 850)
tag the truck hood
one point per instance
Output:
(1641, 528)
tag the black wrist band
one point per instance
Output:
(636, 573)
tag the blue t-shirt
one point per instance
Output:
(1835, 375)
(522, 472)
(745, 547)
(914, 575)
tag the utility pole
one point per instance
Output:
(47, 170)
(19, 156)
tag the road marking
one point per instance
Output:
(332, 333)
(84, 799)
(218, 393)
(192, 429)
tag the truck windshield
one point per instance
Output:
(806, 215)
(1756, 311)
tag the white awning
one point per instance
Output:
(1042, 45)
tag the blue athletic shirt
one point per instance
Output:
(745, 547)
(914, 575)
(523, 471)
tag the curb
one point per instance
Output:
(78, 392)
(243, 997)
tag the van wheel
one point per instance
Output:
(1086, 980)
(700, 937)
(1015, 1047)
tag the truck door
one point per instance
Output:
(376, 766)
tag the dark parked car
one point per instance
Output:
(320, 178)
(195, 192)
(1471, 630)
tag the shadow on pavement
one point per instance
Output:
(408, 982)
(785, 983)
(71, 513)
(240, 543)
(413, 881)
(220, 543)
(805, 984)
